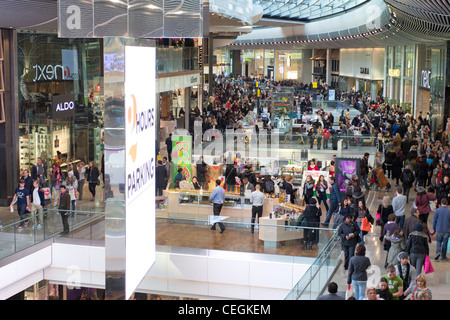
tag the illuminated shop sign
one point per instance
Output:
(63, 106)
(395, 72)
(51, 72)
(67, 70)
(425, 80)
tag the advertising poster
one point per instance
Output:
(345, 168)
(182, 156)
(140, 173)
(315, 174)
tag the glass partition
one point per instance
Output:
(171, 229)
(316, 278)
(85, 223)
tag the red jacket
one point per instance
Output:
(423, 202)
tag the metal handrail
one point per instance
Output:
(335, 239)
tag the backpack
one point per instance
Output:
(268, 186)
(408, 178)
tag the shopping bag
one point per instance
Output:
(427, 266)
(47, 193)
(349, 292)
(377, 216)
(433, 205)
(73, 193)
(365, 225)
(448, 247)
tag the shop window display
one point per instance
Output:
(52, 67)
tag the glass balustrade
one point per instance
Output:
(84, 223)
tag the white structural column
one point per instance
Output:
(328, 68)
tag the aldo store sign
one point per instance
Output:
(63, 106)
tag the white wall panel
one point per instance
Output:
(271, 275)
(229, 291)
(22, 268)
(187, 267)
(190, 287)
(229, 271)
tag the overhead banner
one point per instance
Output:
(140, 108)
(130, 18)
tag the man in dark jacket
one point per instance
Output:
(332, 293)
(335, 200)
(169, 147)
(349, 233)
(443, 190)
(417, 246)
(364, 169)
(39, 170)
(64, 208)
(407, 178)
(230, 177)
(202, 168)
(161, 175)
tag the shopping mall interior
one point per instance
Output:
(224, 150)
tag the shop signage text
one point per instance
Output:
(426, 76)
(364, 70)
(395, 72)
(63, 106)
(49, 72)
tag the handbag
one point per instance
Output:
(427, 266)
(365, 225)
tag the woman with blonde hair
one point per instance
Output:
(371, 294)
(420, 287)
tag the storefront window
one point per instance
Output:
(269, 63)
(259, 63)
(289, 65)
(51, 68)
(409, 62)
(223, 62)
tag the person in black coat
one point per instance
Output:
(249, 174)
(407, 179)
(202, 168)
(92, 177)
(161, 175)
(417, 247)
(311, 220)
(169, 147)
(349, 233)
(397, 165)
(422, 172)
(230, 177)
(388, 160)
(443, 189)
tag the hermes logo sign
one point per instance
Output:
(63, 106)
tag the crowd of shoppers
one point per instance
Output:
(407, 157)
(63, 190)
